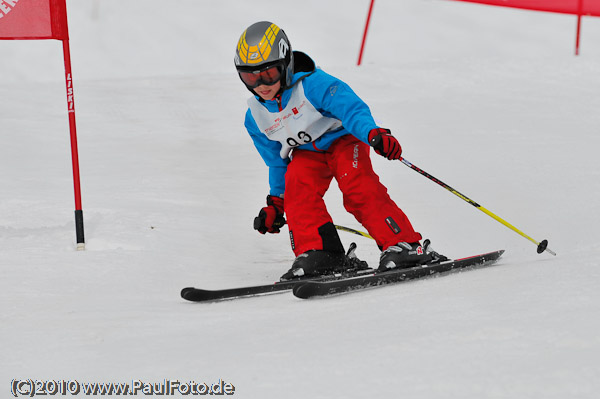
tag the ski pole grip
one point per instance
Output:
(375, 141)
(258, 222)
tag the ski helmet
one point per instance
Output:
(264, 56)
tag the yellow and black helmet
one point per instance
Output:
(264, 56)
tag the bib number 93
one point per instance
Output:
(303, 138)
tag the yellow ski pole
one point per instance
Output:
(541, 246)
(349, 230)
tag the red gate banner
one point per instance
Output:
(577, 7)
(33, 19)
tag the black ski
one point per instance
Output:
(309, 289)
(202, 295)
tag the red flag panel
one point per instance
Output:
(33, 19)
(583, 7)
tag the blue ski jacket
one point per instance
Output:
(333, 98)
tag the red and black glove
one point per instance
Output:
(385, 144)
(270, 218)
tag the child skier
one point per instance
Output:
(310, 127)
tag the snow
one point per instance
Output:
(490, 100)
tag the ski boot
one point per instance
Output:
(406, 255)
(317, 263)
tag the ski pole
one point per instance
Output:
(541, 246)
(258, 222)
(349, 230)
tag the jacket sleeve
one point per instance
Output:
(269, 151)
(334, 98)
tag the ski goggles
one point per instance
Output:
(268, 76)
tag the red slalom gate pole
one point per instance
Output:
(364, 39)
(74, 152)
(578, 34)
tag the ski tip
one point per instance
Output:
(186, 291)
(488, 256)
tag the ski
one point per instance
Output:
(310, 289)
(202, 295)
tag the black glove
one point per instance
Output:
(385, 144)
(270, 218)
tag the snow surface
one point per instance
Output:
(490, 100)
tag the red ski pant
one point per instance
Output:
(308, 177)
